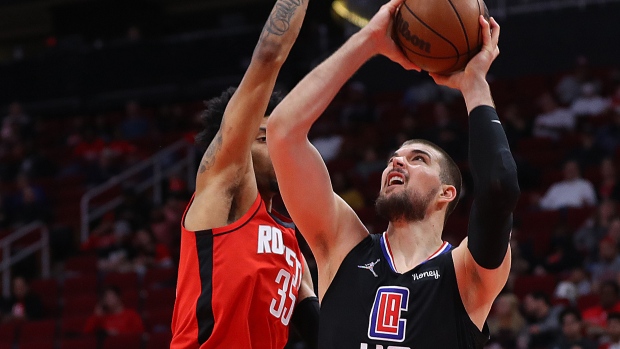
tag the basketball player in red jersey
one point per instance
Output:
(242, 277)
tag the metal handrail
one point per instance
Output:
(161, 171)
(9, 260)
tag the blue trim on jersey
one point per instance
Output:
(386, 253)
(446, 246)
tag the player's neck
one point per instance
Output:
(267, 198)
(413, 242)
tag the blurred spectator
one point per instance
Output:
(589, 103)
(356, 107)
(106, 167)
(135, 125)
(608, 136)
(573, 191)
(613, 332)
(16, 124)
(447, 133)
(120, 149)
(342, 186)
(29, 203)
(587, 153)
(107, 238)
(609, 186)
(562, 255)
(577, 284)
(369, 164)
(22, 304)
(515, 125)
(146, 253)
(607, 266)
(5, 214)
(428, 92)
(553, 121)
(135, 209)
(542, 318)
(588, 236)
(111, 317)
(327, 143)
(89, 147)
(609, 302)
(32, 163)
(570, 86)
(614, 229)
(505, 321)
(572, 336)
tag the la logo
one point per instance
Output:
(385, 319)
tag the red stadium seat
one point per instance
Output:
(73, 326)
(37, 344)
(80, 305)
(86, 342)
(82, 264)
(80, 285)
(7, 332)
(158, 320)
(48, 292)
(586, 301)
(123, 341)
(124, 281)
(160, 340)
(37, 331)
(159, 298)
(525, 284)
(160, 277)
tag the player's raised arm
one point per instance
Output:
(482, 261)
(244, 113)
(302, 176)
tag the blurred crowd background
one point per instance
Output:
(92, 89)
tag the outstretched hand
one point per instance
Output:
(479, 65)
(380, 29)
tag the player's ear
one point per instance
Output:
(448, 193)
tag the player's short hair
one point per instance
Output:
(211, 117)
(450, 173)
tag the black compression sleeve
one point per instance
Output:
(496, 189)
(306, 321)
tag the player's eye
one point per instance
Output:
(262, 139)
(419, 157)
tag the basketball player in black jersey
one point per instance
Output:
(405, 288)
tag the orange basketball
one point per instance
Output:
(440, 36)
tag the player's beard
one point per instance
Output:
(404, 205)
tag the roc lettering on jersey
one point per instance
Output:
(385, 319)
(270, 240)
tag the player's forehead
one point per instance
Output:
(418, 148)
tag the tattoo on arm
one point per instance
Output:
(280, 18)
(207, 158)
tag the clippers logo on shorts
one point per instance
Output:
(385, 319)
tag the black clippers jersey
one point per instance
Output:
(370, 306)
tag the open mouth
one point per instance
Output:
(395, 178)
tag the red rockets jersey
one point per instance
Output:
(237, 284)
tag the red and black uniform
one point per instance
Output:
(237, 284)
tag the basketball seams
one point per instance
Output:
(458, 16)
(436, 43)
(431, 29)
